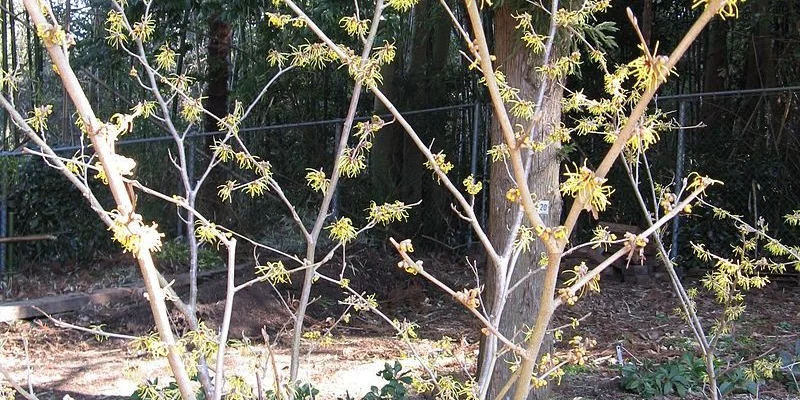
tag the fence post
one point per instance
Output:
(473, 166)
(3, 218)
(337, 129)
(679, 173)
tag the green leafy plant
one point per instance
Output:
(736, 381)
(688, 373)
(674, 377)
(575, 369)
(151, 390)
(176, 254)
(304, 391)
(784, 326)
(395, 387)
(790, 366)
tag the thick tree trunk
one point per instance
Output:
(523, 303)
(386, 159)
(219, 57)
(398, 171)
(715, 69)
(716, 61)
(760, 65)
(647, 21)
(5, 21)
(65, 109)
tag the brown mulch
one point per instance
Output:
(640, 318)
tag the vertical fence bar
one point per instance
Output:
(679, 173)
(335, 200)
(473, 166)
(485, 116)
(3, 217)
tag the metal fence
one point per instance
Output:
(750, 140)
(291, 148)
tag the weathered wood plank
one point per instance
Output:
(28, 238)
(24, 309)
(63, 303)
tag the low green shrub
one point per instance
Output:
(395, 387)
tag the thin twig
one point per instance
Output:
(17, 386)
(488, 325)
(93, 331)
(276, 377)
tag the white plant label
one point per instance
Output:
(544, 207)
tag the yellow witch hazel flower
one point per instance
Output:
(472, 187)
(388, 212)
(342, 230)
(275, 57)
(317, 180)
(587, 188)
(274, 272)
(278, 20)
(354, 25)
(133, 234)
(144, 29)
(192, 110)
(440, 162)
(115, 25)
(207, 232)
(645, 134)
(38, 119)
(402, 5)
(538, 383)
(166, 57)
(144, 108)
(649, 70)
(10, 79)
(730, 8)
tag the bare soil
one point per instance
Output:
(639, 318)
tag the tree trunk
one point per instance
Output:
(219, 56)
(715, 69)
(523, 303)
(398, 165)
(647, 21)
(386, 159)
(760, 66)
(6, 19)
(65, 107)
(14, 65)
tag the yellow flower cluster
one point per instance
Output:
(342, 230)
(133, 234)
(588, 189)
(388, 213)
(471, 186)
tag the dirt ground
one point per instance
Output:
(639, 318)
